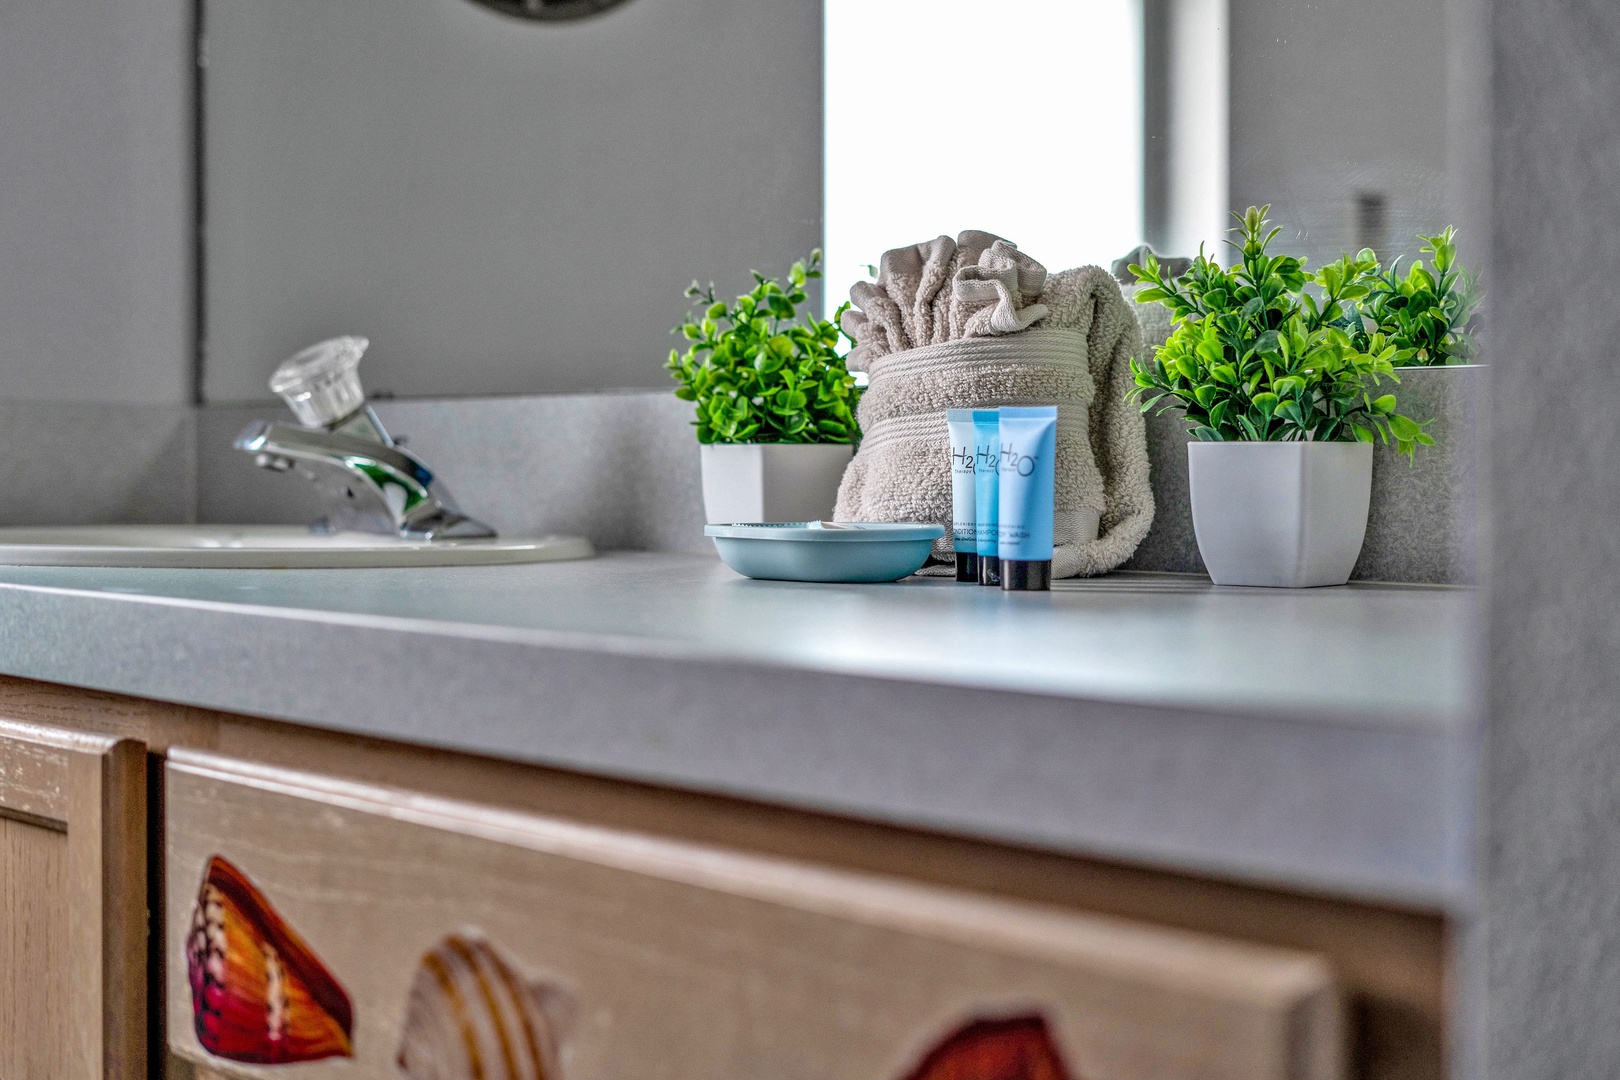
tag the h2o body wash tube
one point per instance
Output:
(1026, 493)
(964, 518)
(986, 495)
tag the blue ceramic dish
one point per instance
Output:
(825, 551)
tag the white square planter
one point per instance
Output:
(1285, 514)
(748, 482)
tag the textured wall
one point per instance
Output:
(621, 469)
(1552, 864)
(1422, 525)
(95, 463)
(502, 207)
(1423, 521)
(95, 201)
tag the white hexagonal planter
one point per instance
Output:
(1282, 514)
(751, 482)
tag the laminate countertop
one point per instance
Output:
(1324, 739)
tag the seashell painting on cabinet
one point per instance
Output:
(259, 994)
(688, 961)
(1008, 1048)
(475, 1014)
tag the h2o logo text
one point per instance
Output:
(1014, 462)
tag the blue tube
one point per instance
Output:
(964, 515)
(1028, 438)
(986, 494)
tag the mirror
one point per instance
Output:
(515, 206)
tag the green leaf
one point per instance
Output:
(1405, 427)
(775, 378)
(1266, 350)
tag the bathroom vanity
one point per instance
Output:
(678, 823)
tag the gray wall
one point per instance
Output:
(1329, 99)
(502, 207)
(1552, 811)
(1423, 523)
(95, 201)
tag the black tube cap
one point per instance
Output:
(989, 570)
(1026, 575)
(967, 566)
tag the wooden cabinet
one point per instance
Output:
(72, 905)
(707, 925)
(372, 932)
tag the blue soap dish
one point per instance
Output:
(825, 550)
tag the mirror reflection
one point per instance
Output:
(513, 206)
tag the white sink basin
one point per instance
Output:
(263, 547)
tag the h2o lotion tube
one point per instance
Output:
(986, 459)
(964, 519)
(1025, 496)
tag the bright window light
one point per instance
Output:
(1019, 117)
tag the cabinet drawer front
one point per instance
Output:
(72, 905)
(368, 932)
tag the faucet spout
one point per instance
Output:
(370, 483)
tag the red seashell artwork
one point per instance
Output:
(259, 994)
(1012, 1048)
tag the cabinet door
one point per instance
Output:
(72, 905)
(369, 932)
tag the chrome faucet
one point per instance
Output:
(370, 483)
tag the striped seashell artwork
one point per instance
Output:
(1009, 1048)
(259, 994)
(475, 1014)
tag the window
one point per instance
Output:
(1020, 117)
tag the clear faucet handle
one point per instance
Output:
(320, 384)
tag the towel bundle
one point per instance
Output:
(975, 323)
(944, 290)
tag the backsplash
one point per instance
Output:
(87, 463)
(1422, 526)
(619, 468)
(622, 469)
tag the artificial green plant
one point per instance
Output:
(1255, 357)
(1429, 314)
(761, 373)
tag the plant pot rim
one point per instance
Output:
(1291, 443)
